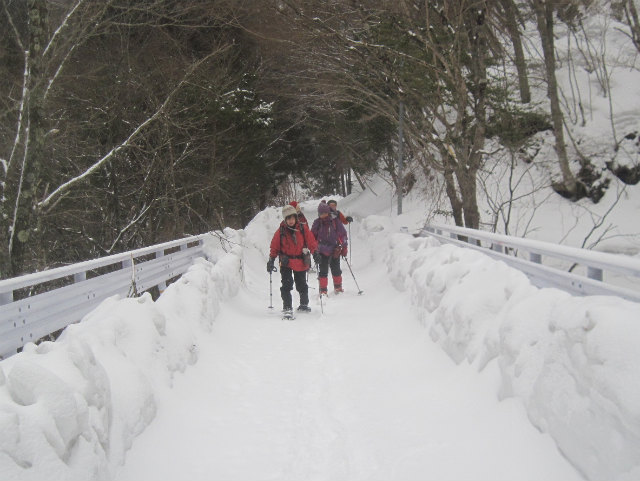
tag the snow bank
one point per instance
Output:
(574, 362)
(70, 409)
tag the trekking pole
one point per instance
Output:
(271, 288)
(360, 291)
(310, 287)
(319, 290)
(351, 241)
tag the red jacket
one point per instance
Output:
(289, 241)
(339, 215)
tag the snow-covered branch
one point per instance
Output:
(63, 24)
(21, 107)
(133, 222)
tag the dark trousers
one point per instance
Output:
(288, 277)
(327, 262)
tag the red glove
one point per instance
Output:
(344, 251)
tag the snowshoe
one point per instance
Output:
(303, 308)
(287, 315)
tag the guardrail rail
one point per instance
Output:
(506, 248)
(45, 307)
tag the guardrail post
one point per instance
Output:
(6, 297)
(133, 289)
(535, 257)
(80, 276)
(163, 285)
(594, 273)
(497, 248)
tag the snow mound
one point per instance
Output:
(574, 362)
(71, 409)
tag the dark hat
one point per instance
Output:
(323, 208)
(288, 210)
(331, 201)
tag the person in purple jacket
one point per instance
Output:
(332, 243)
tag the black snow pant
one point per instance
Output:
(327, 262)
(288, 276)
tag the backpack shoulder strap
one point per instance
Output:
(304, 238)
(282, 234)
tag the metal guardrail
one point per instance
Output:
(506, 248)
(35, 316)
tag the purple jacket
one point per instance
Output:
(329, 233)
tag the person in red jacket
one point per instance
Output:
(336, 214)
(301, 218)
(293, 243)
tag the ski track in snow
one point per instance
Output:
(358, 392)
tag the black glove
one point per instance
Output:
(270, 266)
(316, 257)
(349, 219)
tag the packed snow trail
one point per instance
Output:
(359, 392)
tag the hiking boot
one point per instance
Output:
(338, 289)
(304, 308)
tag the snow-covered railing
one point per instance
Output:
(35, 305)
(506, 248)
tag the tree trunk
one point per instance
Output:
(511, 19)
(456, 203)
(479, 65)
(631, 14)
(362, 185)
(467, 182)
(450, 186)
(544, 16)
(24, 242)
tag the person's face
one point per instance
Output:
(333, 206)
(290, 220)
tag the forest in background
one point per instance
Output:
(124, 123)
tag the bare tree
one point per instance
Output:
(630, 15)
(511, 22)
(69, 142)
(457, 39)
(544, 11)
(388, 52)
(511, 190)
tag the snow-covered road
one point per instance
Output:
(359, 392)
(206, 383)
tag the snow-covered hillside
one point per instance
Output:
(598, 73)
